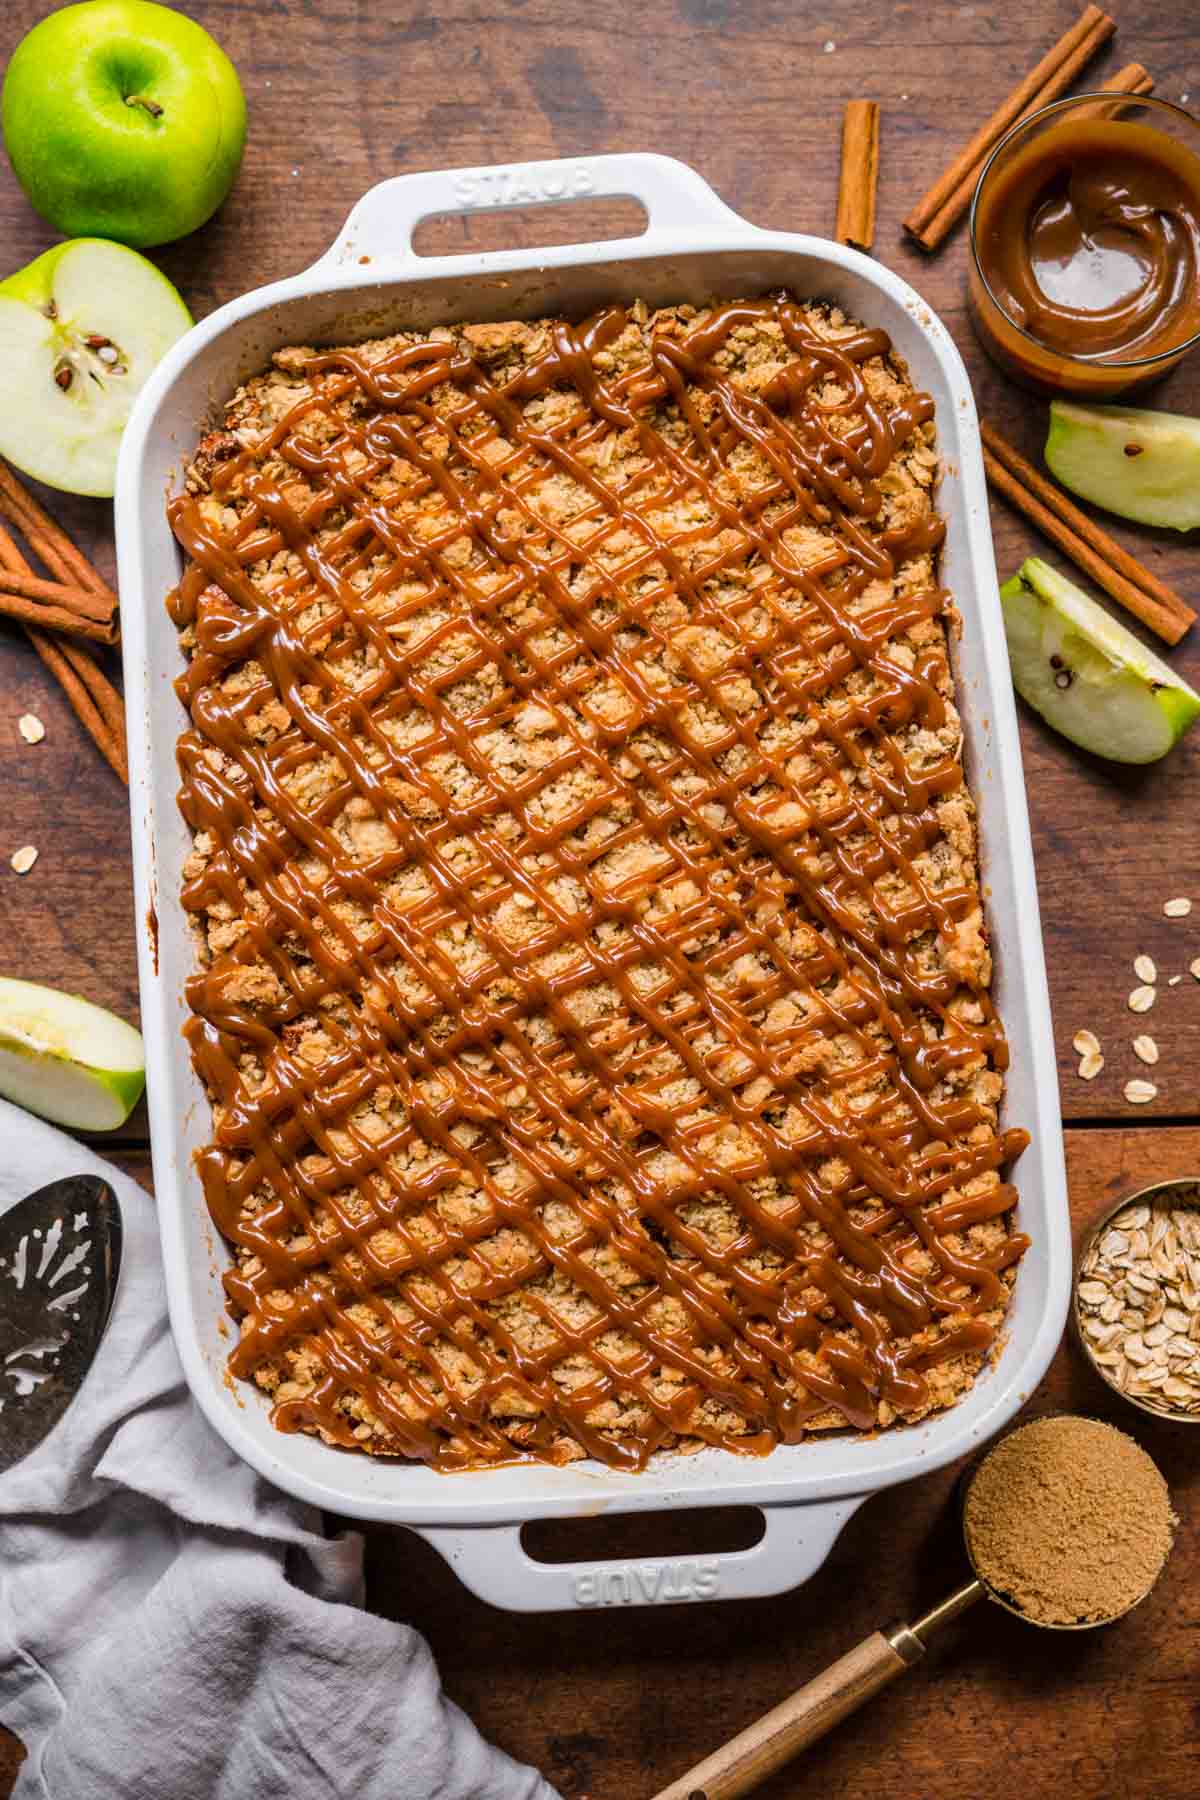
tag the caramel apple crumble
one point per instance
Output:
(593, 985)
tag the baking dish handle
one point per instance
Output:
(676, 199)
(493, 1563)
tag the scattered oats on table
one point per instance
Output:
(1145, 970)
(31, 728)
(1137, 1301)
(1141, 999)
(1145, 1049)
(22, 860)
(1139, 1092)
(1178, 908)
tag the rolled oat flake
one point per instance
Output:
(1069, 1521)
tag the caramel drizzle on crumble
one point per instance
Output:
(702, 758)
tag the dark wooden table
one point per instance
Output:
(750, 92)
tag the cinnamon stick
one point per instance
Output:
(93, 698)
(14, 605)
(939, 210)
(1088, 546)
(47, 538)
(1133, 79)
(85, 603)
(859, 175)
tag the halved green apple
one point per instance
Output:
(67, 1060)
(1086, 674)
(1141, 465)
(81, 328)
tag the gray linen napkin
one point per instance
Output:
(172, 1627)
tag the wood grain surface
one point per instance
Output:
(345, 92)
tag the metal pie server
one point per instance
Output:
(60, 1254)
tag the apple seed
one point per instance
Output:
(64, 375)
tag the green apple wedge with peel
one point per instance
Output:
(1140, 465)
(67, 1060)
(123, 119)
(80, 330)
(1086, 674)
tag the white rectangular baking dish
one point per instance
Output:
(371, 282)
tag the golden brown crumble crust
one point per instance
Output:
(471, 1141)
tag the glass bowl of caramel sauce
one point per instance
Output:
(1085, 245)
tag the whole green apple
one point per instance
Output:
(123, 119)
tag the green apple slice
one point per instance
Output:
(80, 330)
(1141, 465)
(67, 1060)
(1087, 676)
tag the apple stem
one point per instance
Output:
(151, 106)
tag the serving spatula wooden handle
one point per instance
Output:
(748, 1759)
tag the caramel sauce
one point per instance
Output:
(916, 1151)
(1089, 240)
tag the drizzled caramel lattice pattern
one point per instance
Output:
(593, 986)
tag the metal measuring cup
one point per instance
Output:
(748, 1759)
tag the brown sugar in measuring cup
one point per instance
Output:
(1068, 1524)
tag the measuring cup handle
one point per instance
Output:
(790, 1727)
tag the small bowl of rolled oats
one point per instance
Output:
(1137, 1299)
